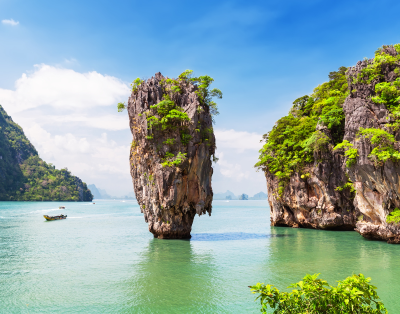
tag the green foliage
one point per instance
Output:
(317, 141)
(377, 137)
(45, 183)
(382, 142)
(373, 71)
(135, 84)
(121, 106)
(333, 117)
(348, 185)
(205, 94)
(315, 296)
(169, 141)
(186, 75)
(185, 138)
(388, 93)
(350, 152)
(167, 117)
(394, 216)
(291, 143)
(285, 151)
(215, 158)
(170, 160)
(305, 175)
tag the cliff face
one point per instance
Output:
(377, 185)
(343, 191)
(24, 176)
(173, 142)
(312, 201)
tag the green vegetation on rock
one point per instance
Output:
(349, 185)
(26, 177)
(167, 117)
(386, 93)
(349, 151)
(291, 144)
(373, 71)
(383, 143)
(297, 138)
(394, 216)
(315, 296)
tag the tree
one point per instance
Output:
(354, 295)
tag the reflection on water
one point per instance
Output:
(172, 278)
(228, 236)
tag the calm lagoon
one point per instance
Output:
(102, 259)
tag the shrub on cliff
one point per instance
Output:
(382, 143)
(349, 151)
(316, 296)
(394, 216)
(292, 141)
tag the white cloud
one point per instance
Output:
(239, 140)
(96, 160)
(70, 149)
(10, 22)
(237, 152)
(63, 89)
(55, 95)
(231, 142)
(231, 170)
(112, 121)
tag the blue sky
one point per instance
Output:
(262, 55)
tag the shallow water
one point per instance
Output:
(102, 259)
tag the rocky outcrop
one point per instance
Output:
(313, 201)
(377, 186)
(171, 164)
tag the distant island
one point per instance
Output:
(102, 194)
(26, 177)
(228, 195)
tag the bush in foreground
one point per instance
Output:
(312, 296)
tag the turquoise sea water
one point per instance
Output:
(102, 259)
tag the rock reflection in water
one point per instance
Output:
(172, 278)
(232, 236)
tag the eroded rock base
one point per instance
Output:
(178, 227)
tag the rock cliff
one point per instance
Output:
(347, 171)
(173, 142)
(376, 181)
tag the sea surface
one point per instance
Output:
(102, 259)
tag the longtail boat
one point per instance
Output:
(55, 217)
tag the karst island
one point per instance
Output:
(333, 161)
(172, 150)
